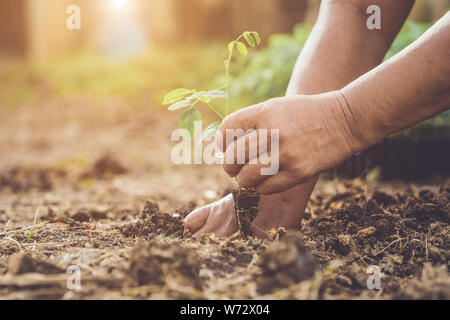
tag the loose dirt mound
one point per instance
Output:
(153, 222)
(396, 232)
(23, 263)
(21, 179)
(105, 167)
(132, 253)
(285, 264)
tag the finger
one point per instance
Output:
(245, 149)
(250, 175)
(238, 122)
(278, 183)
(196, 219)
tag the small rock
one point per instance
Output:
(366, 232)
(23, 263)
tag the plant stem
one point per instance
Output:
(227, 74)
(194, 103)
(217, 112)
(227, 77)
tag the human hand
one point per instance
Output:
(316, 133)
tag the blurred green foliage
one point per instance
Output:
(409, 33)
(89, 73)
(264, 74)
(267, 73)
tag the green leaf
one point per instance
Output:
(231, 45)
(175, 95)
(195, 96)
(249, 38)
(30, 235)
(203, 98)
(257, 37)
(188, 119)
(241, 48)
(211, 130)
(216, 94)
(180, 105)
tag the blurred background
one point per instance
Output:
(67, 96)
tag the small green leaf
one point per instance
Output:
(188, 119)
(241, 48)
(180, 105)
(216, 94)
(249, 38)
(30, 235)
(211, 130)
(175, 95)
(195, 95)
(231, 45)
(257, 37)
(203, 98)
(374, 174)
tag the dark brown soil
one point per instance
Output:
(246, 203)
(112, 204)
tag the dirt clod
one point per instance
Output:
(22, 179)
(434, 283)
(159, 264)
(284, 264)
(21, 263)
(105, 167)
(152, 222)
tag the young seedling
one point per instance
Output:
(188, 99)
(246, 201)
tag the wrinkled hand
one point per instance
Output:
(315, 135)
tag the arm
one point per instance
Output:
(409, 88)
(317, 132)
(339, 49)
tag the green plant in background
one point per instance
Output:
(267, 74)
(182, 98)
(410, 32)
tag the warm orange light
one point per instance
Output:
(120, 4)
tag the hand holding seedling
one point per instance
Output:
(318, 132)
(326, 63)
(313, 136)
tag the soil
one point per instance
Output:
(111, 203)
(246, 203)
